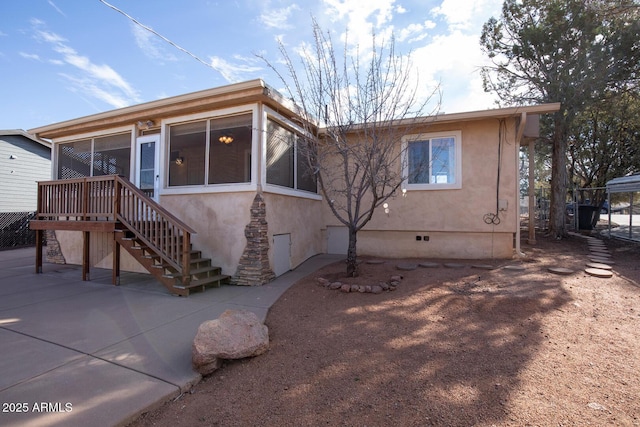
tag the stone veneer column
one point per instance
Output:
(54, 253)
(254, 268)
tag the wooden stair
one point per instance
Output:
(201, 275)
(160, 241)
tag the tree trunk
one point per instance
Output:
(352, 264)
(557, 222)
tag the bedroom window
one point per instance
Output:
(432, 161)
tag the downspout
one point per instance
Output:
(523, 122)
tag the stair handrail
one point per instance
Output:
(143, 216)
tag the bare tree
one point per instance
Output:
(356, 106)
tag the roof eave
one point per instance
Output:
(10, 132)
(234, 94)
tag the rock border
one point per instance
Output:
(374, 288)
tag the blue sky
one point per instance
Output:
(63, 59)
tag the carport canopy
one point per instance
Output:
(624, 184)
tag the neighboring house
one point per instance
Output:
(224, 162)
(24, 160)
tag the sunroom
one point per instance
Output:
(224, 162)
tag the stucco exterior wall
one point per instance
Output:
(219, 220)
(453, 219)
(299, 217)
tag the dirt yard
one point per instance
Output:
(449, 347)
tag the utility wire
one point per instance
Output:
(151, 30)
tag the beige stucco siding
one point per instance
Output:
(453, 219)
(219, 220)
(299, 217)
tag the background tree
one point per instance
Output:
(364, 101)
(568, 51)
(604, 142)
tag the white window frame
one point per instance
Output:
(457, 136)
(274, 188)
(165, 189)
(92, 136)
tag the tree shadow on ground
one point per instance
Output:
(445, 352)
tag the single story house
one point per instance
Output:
(222, 164)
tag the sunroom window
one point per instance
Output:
(432, 161)
(227, 140)
(109, 155)
(286, 164)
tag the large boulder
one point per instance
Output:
(236, 334)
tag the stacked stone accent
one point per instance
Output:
(54, 253)
(254, 268)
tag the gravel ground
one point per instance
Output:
(449, 347)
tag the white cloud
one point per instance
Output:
(233, 73)
(99, 81)
(415, 32)
(278, 18)
(29, 56)
(466, 14)
(454, 60)
(150, 44)
(363, 18)
(53, 5)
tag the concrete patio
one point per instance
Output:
(80, 353)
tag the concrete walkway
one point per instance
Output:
(76, 353)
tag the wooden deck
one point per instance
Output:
(157, 239)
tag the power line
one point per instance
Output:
(151, 30)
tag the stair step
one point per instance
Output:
(214, 281)
(194, 272)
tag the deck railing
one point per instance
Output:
(115, 198)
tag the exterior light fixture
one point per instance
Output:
(386, 208)
(226, 139)
(404, 192)
(145, 124)
(13, 157)
(179, 160)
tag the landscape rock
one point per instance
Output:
(396, 278)
(335, 285)
(355, 288)
(236, 334)
(345, 288)
(322, 281)
(376, 289)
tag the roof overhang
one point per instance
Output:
(497, 113)
(206, 100)
(241, 93)
(20, 132)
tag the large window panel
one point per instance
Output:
(187, 154)
(280, 146)
(74, 159)
(418, 152)
(306, 179)
(112, 155)
(230, 149)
